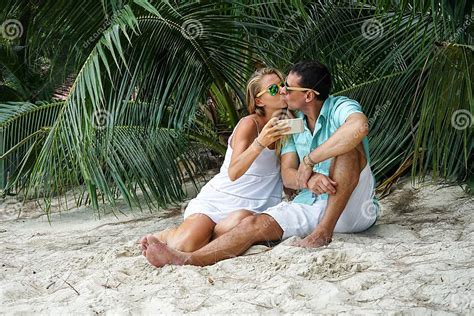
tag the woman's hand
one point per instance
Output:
(272, 131)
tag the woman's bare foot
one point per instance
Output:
(162, 236)
(159, 254)
(144, 244)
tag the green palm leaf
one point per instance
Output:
(152, 78)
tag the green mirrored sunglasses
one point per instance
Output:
(271, 89)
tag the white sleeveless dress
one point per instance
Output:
(256, 190)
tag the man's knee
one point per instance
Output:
(352, 156)
(231, 221)
(235, 218)
(352, 161)
(238, 216)
(263, 227)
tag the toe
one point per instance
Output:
(153, 240)
(144, 243)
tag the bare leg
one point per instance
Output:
(345, 170)
(165, 234)
(232, 220)
(195, 232)
(251, 230)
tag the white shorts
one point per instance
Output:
(297, 219)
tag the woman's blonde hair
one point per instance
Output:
(253, 88)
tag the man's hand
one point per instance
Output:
(320, 184)
(304, 173)
(320, 237)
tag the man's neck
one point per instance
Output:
(312, 111)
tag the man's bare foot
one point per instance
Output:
(159, 254)
(320, 237)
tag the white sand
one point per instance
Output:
(417, 259)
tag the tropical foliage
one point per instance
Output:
(113, 99)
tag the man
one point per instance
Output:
(328, 162)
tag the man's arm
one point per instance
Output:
(318, 183)
(289, 170)
(346, 138)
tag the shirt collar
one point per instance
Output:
(324, 110)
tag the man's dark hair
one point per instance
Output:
(314, 75)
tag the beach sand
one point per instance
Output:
(418, 258)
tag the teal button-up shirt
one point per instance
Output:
(333, 114)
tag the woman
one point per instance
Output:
(249, 178)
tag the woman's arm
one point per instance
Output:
(246, 147)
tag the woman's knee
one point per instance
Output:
(192, 234)
(188, 242)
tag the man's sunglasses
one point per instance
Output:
(288, 88)
(272, 89)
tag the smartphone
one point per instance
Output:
(296, 125)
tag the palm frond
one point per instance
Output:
(385, 56)
(23, 128)
(145, 73)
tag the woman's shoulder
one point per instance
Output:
(246, 130)
(248, 124)
(250, 117)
